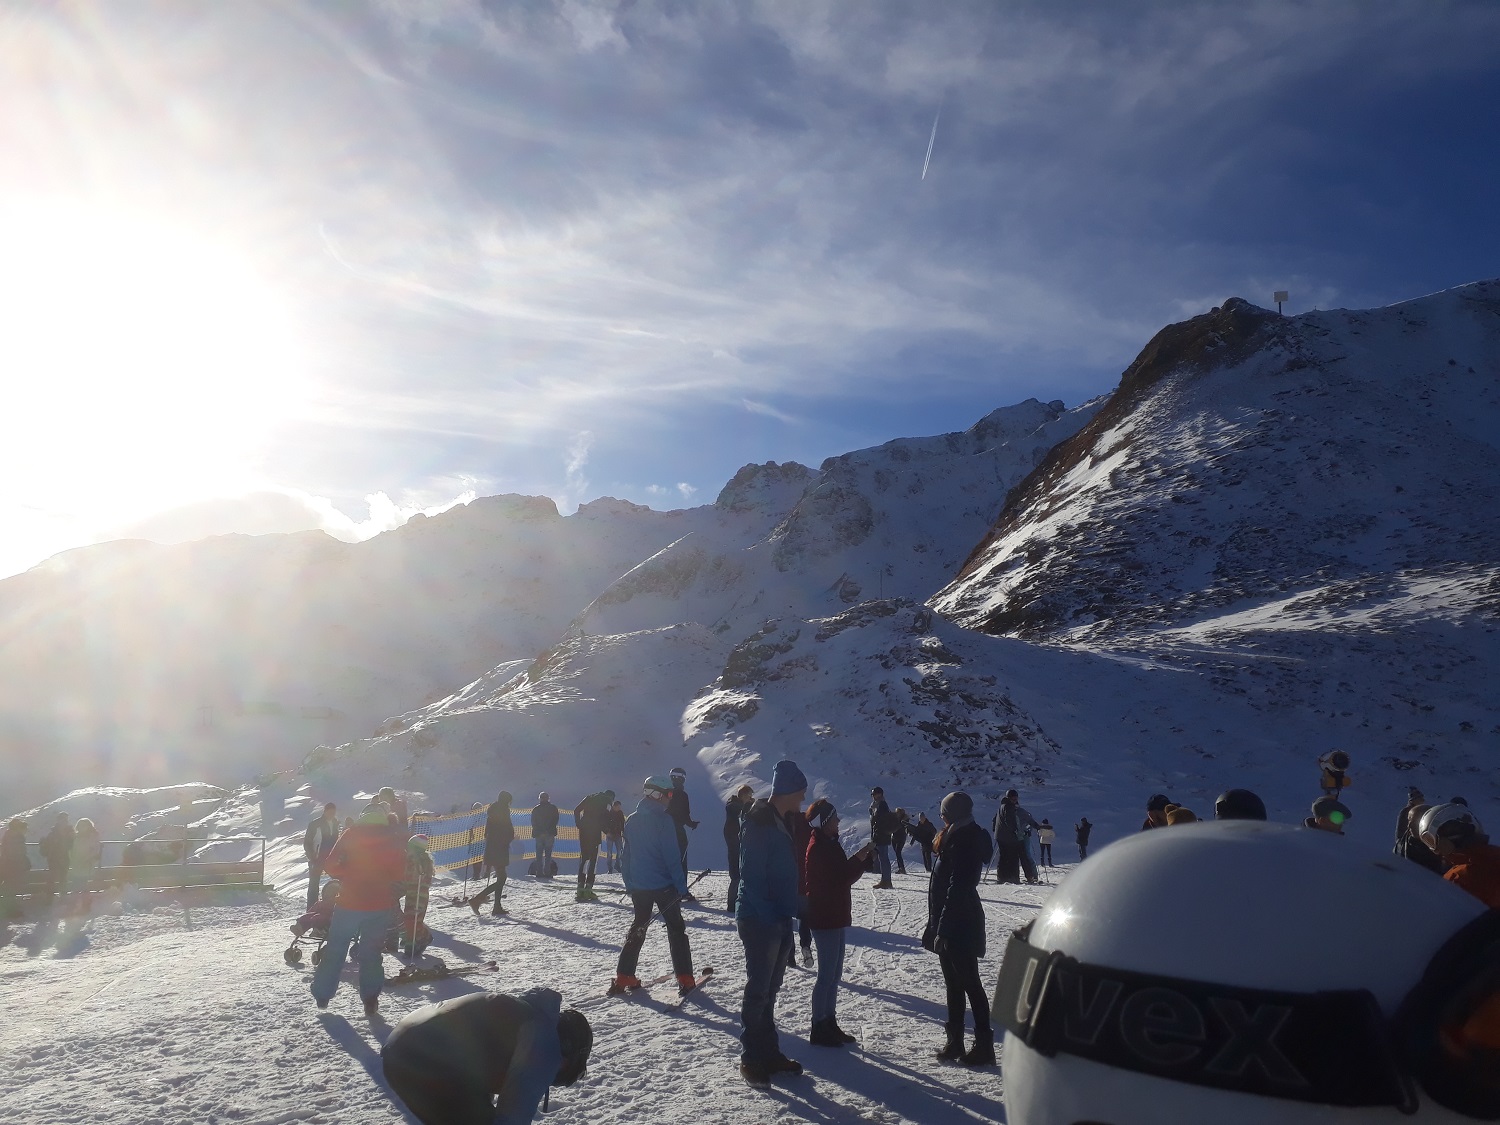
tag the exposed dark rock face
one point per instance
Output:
(1246, 457)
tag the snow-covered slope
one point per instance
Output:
(132, 663)
(1249, 458)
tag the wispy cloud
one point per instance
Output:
(505, 226)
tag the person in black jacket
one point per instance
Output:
(1010, 826)
(955, 927)
(898, 839)
(680, 810)
(924, 832)
(589, 816)
(498, 834)
(322, 833)
(544, 832)
(57, 849)
(882, 831)
(614, 837)
(734, 817)
(15, 867)
(485, 1057)
(1404, 820)
(1082, 830)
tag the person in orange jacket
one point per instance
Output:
(369, 861)
(1456, 836)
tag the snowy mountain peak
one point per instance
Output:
(765, 488)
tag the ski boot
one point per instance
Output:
(623, 983)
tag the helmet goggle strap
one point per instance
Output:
(1333, 1047)
(1325, 1047)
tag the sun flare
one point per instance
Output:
(143, 364)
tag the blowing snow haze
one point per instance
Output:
(1276, 536)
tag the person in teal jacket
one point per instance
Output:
(766, 917)
(652, 869)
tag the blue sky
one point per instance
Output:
(418, 251)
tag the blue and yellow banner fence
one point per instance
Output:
(456, 840)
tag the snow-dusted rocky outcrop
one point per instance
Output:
(1248, 458)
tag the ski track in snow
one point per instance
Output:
(182, 1010)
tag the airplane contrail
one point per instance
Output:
(932, 140)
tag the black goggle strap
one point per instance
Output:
(1436, 1024)
(1329, 1048)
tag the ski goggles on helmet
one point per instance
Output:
(1332, 1048)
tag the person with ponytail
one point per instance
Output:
(955, 927)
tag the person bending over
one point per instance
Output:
(486, 1057)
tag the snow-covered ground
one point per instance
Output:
(181, 1009)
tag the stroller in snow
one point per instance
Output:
(312, 927)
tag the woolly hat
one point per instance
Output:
(744, 791)
(1158, 802)
(820, 812)
(417, 843)
(505, 798)
(375, 813)
(786, 778)
(1179, 815)
(956, 806)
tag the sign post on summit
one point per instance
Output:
(1279, 296)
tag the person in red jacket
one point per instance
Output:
(369, 861)
(827, 876)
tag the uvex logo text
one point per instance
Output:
(1154, 1027)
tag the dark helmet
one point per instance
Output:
(576, 1038)
(1239, 804)
(1157, 802)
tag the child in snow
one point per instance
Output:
(321, 914)
(414, 936)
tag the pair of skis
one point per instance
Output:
(646, 985)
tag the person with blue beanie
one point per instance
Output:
(652, 868)
(765, 916)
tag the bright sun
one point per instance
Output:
(143, 365)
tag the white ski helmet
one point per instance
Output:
(1445, 827)
(1242, 971)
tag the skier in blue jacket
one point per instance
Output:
(652, 867)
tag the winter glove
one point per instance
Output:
(930, 939)
(940, 945)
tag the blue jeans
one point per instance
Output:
(768, 949)
(883, 860)
(370, 927)
(544, 854)
(825, 994)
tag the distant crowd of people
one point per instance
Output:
(73, 854)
